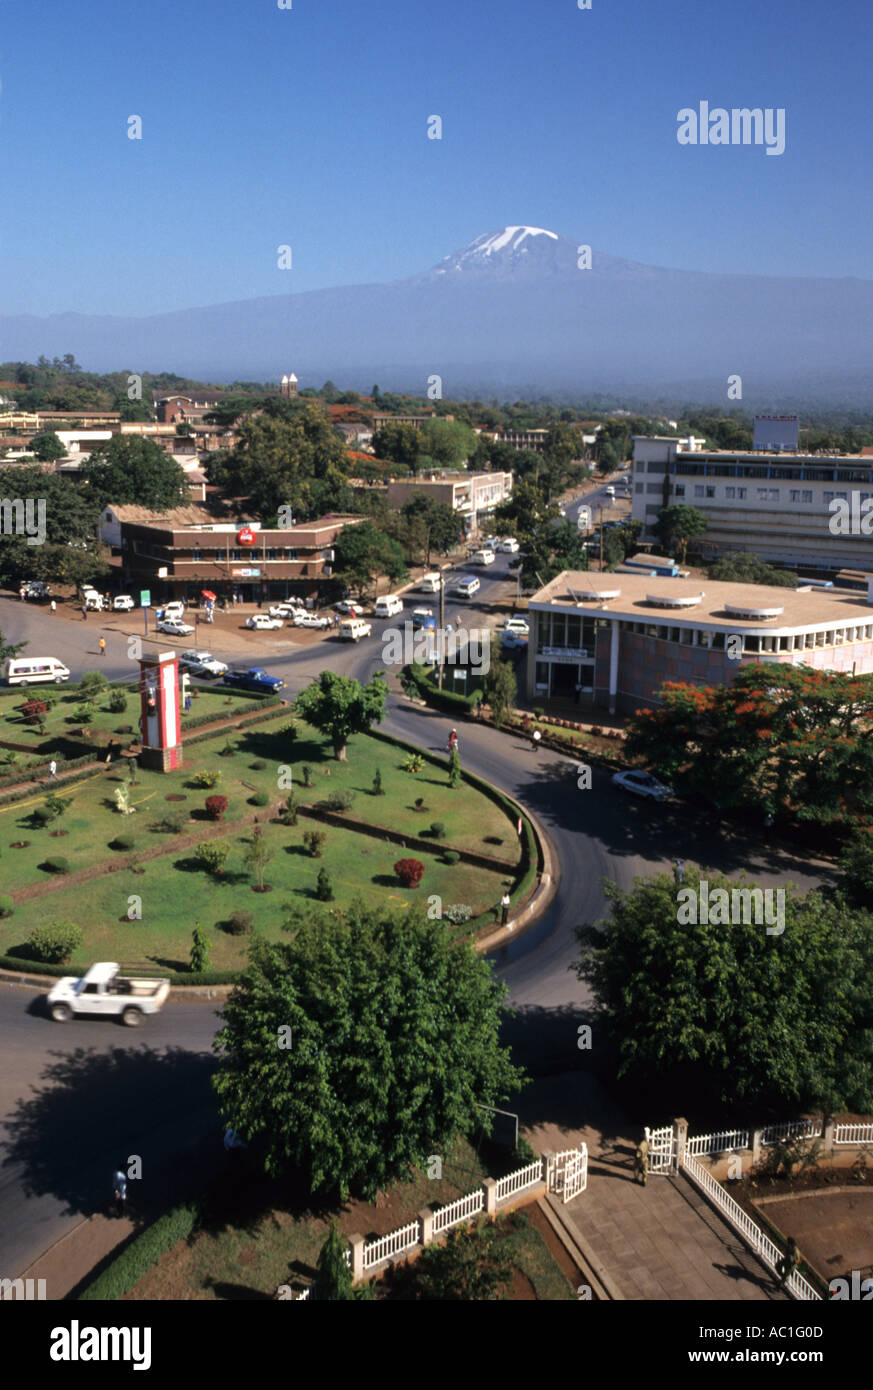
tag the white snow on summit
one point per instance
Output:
(489, 244)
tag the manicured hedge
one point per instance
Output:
(445, 699)
(143, 1253)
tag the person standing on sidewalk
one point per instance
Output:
(54, 607)
(535, 741)
(119, 1191)
(504, 909)
(641, 1161)
(84, 613)
(102, 645)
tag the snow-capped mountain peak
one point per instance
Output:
(511, 237)
(508, 251)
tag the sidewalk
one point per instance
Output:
(661, 1241)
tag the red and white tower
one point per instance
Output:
(161, 718)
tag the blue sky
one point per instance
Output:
(307, 126)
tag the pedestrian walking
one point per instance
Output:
(678, 870)
(54, 606)
(53, 771)
(119, 1191)
(21, 593)
(84, 613)
(535, 741)
(102, 646)
(641, 1161)
(187, 703)
(788, 1262)
(504, 909)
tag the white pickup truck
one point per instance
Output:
(105, 990)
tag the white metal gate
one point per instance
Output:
(662, 1149)
(568, 1172)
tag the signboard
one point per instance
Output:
(145, 598)
(246, 536)
(564, 653)
(775, 432)
(246, 574)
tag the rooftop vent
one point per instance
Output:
(593, 595)
(741, 610)
(675, 600)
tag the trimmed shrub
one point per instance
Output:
(216, 807)
(260, 799)
(314, 842)
(92, 682)
(259, 765)
(409, 871)
(56, 865)
(306, 773)
(170, 823)
(457, 913)
(83, 713)
(438, 830)
(34, 711)
(323, 887)
(240, 923)
(413, 762)
(41, 816)
(142, 1254)
(288, 810)
(212, 855)
(123, 842)
(7, 907)
(227, 751)
(54, 942)
(206, 779)
(117, 702)
(339, 801)
(450, 856)
(377, 784)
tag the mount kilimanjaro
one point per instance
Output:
(516, 312)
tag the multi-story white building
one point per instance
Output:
(474, 495)
(775, 505)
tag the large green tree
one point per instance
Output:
(129, 468)
(361, 1047)
(749, 569)
(70, 552)
(703, 1010)
(677, 525)
(47, 447)
(363, 552)
(340, 706)
(431, 524)
(449, 442)
(286, 458)
(398, 442)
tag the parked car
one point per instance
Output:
(92, 600)
(352, 610)
(255, 678)
(511, 641)
(517, 625)
(491, 543)
(37, 589)
(286, 610)
(122, 603)
(261, 622)
(311, 620)
(174, 609)
(174, 627)
(509, 545)
(200, 663)
(104, 990)
(642, 784)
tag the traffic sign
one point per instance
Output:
(145, 598)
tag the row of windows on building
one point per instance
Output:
(780, 473)
(216, 557)
(753, 642)
(800, 496)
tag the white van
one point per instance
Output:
(353, 629)
(484, 557)
(92, 600)
(431, 583)
(388, 605)
(466, 588)
(29, 670)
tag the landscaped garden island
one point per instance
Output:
(137, 858)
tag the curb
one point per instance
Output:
(577, 1246)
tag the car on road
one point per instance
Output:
(33, 670)
(255, 678)
(122, 603)
(512, 641)
(517, 625)
(484, 557)
(467, 586)
(388, 606)
(610, 490)
(201, 663)
(642, 784)
(430, 583)
(103, 989)
(286, 610)
(509, 545)
(311, 620)
(350, 609)
(261, 622)
(423, 618)
(174, 627)
(353, 629)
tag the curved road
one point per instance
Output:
(75, 1101)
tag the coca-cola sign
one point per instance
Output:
(246, 536)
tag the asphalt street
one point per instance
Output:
(75, 1100)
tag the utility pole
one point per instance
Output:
(600, 514)
(441, 645)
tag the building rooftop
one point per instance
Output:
(718, 604)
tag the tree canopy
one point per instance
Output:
(677, 525)
(363, 552)
(285, 457)
(749, 569)
(340, 706)
(391, 1044)
(698, 1010)
(130, 468)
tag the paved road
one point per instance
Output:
(75, 1100)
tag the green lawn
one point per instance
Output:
(175, 894)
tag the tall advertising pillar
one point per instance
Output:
(160, 719)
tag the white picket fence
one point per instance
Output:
(853, 1134)
(456, 1212)
(801, 1129)
(710, 1144)
(386, 1247)
(520, 1180)
(757, 1239)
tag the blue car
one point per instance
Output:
(255, 678)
